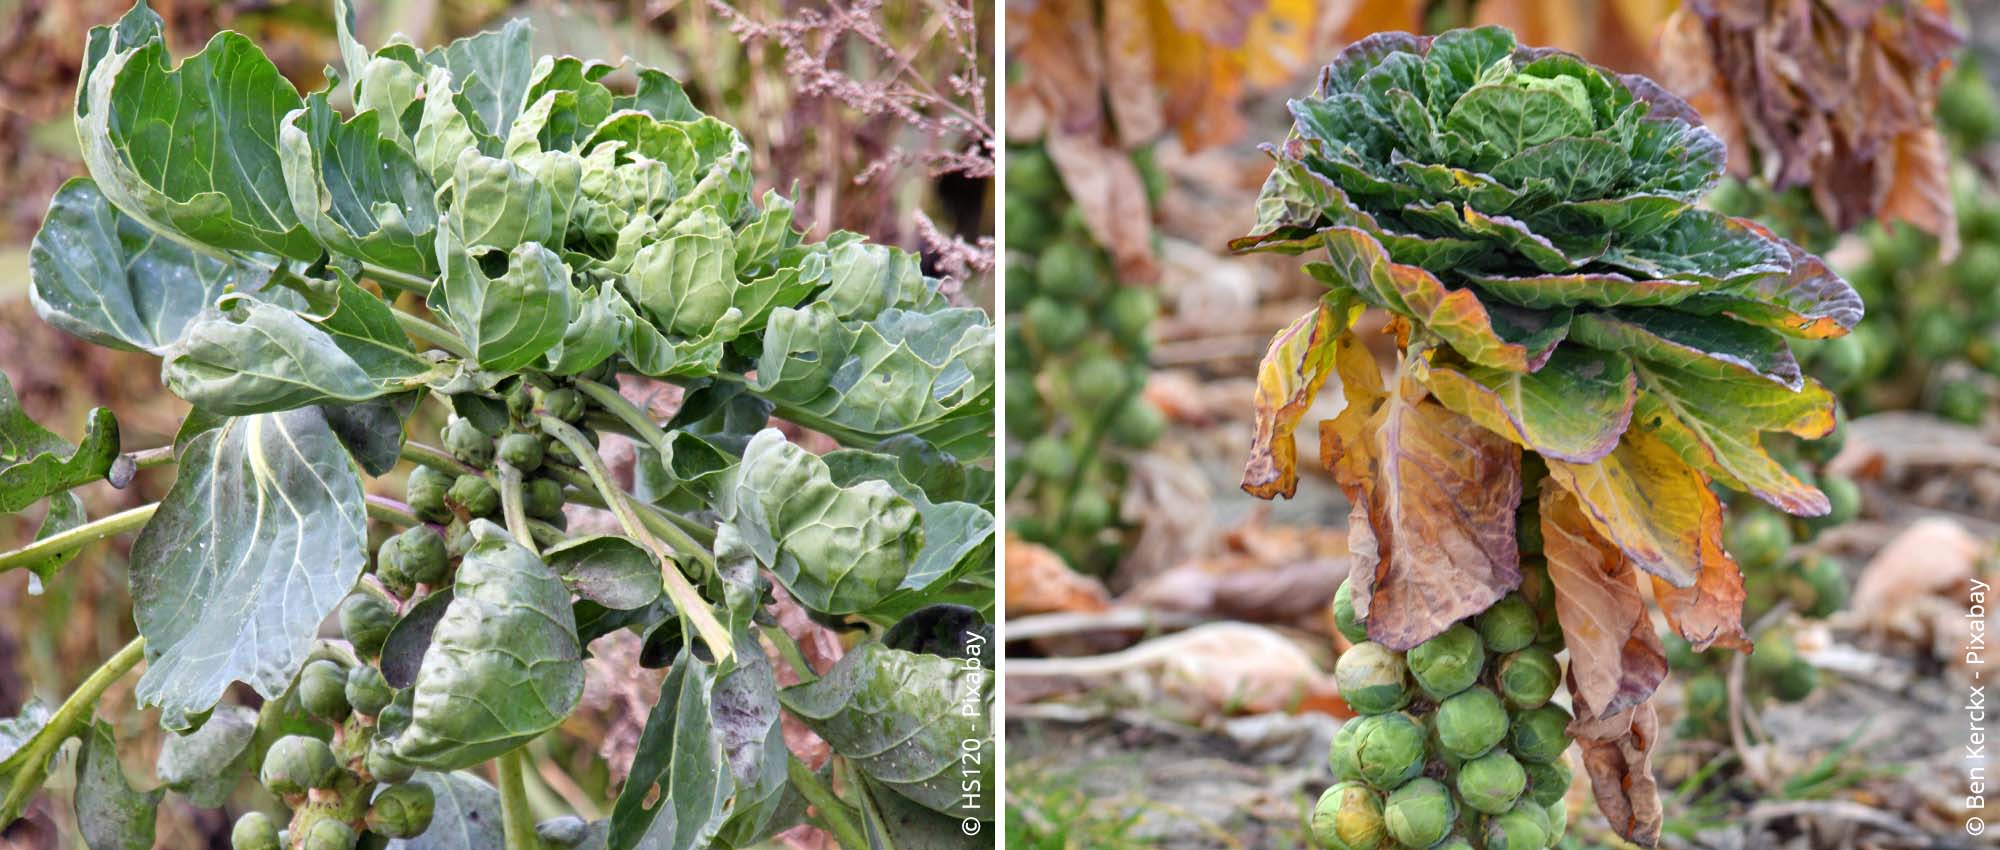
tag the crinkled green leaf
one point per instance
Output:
(1573, 408)
(445, 130)
(1701, 245)
(1604, 289)
(359, 192)
(207, 763)
(510, 307)
(497, 203)
(193, 149)
(600, 324)
(491, 71)
(710, 767)
(1514, 117)
(889, 821)
(869, 279)
(35, 463)
(1706, 346)
(903, 719)
(1811, 302)
(109, 812)
(659, 95)
(838, 549)
(372, 430)
(504, 664)
(410, 639)
(685, 281)
(260, 537)
(100, 275)
(902, 372)
(954, 532)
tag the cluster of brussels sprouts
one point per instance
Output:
(352, 786)
(1458, 744)
(1076, 365)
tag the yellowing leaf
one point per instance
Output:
(1616, 661)
(1298, 362)
(1574, 408)
(1647, 501)
(1710, 613)
(1715, 423)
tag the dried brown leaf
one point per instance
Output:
(1616, 661)
(1621, 772)
(1040, 582)
(1432, 534)
(1111, 196)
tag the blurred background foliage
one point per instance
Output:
(876, 116)
(1175, 634)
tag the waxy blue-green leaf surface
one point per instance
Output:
(260, 537)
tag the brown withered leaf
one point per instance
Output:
(1833, 95)
(1434, 496)
(1111, 196)
(1616, 661)
(1710, 612)
(1294, 368)
(1618, 755)
(1647, 500)
(1056, 43)
(1039, 581)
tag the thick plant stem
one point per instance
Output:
(663, 522)
(431, 333)
(76, 538)
(685, 598)
(517, 818)
(831, 809)
(642, 424)
(76, 710)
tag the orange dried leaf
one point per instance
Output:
(1296, 365)
(1710, 613)
(1616, 661)
(1621, 775)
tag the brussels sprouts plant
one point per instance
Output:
(1077, 364)
(505, 238)
(1581, 352)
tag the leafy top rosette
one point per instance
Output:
(1529, 222)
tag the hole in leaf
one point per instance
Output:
(493, 263)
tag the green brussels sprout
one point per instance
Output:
(467, 443)
(1539, 734)
(1524, 827)
(1025, 417)
(1840, 363)
(1071, 270)
(367, 691)
(1055, 326)
(1939, 335)
(475, 495)
(1129, 314)
(365, 620)
(1343, 615)
(254, 831)
(295, 763)
(1962, 401)
(1817, 584)
(1098, 378)
(420, 553)
(1528, 532)
(1089, 511)
(1509, 625)
(1372, 678)
(1527, 679)
(384, 765)
(1557, 813)
(329, 834)
(1796, 681)
(521, 451)
(1470, 722)
(425, 493)
(565, 403)
(1844, 496)
(1492, 782)
(1020, 281)
(1548, 781)
(1420, 813)
(1448, 663)
(1048, 457)
(1705, 697)
(1454, 843)
(1138, 423)
(1028, 225)
(323, 690)
(1758, 538)
(402, 811)
(542, 498)
(1774, 652)
(1388, 749)
(1033, 176)
(1340, 753)
(520, 398)
(1348, 816)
